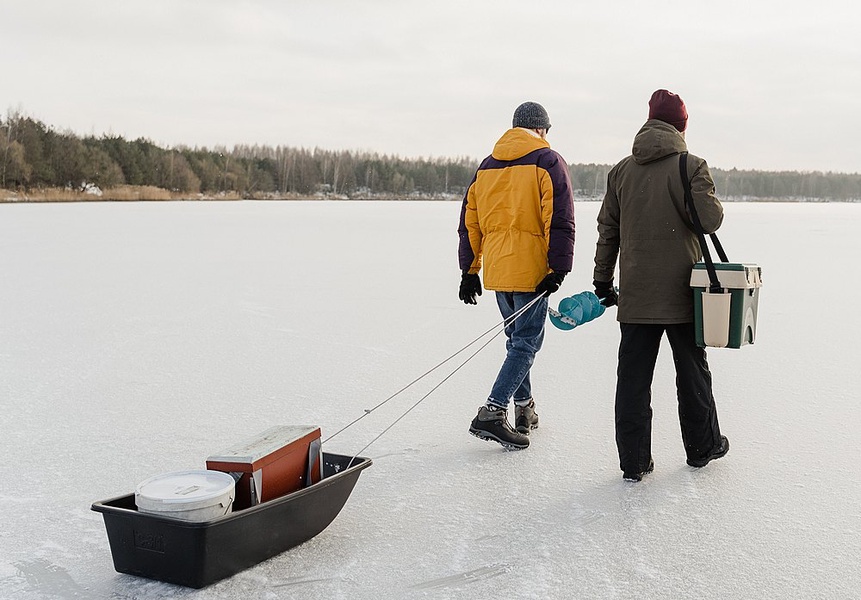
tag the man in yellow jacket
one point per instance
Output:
(517, 223)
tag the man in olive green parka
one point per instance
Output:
(643, 224)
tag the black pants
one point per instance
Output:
(638, 353)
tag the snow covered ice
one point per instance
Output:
(137, 339)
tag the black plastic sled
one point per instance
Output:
(199, 554)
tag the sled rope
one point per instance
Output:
(504, 323)
(420, 400)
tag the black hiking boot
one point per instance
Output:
(525, 417)
(638, 476)
(493, 425)
(714, 454)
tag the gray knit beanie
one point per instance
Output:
(531, 115)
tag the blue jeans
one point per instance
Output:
(525, 336)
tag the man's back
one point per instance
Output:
(518, 214)
(643, 218)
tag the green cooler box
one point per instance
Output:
(728, 319)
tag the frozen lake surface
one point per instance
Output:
(137, 339)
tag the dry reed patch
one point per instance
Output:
(136, 193)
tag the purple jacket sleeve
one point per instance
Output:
(560, 252)
(465, 251)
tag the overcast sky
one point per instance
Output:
(769, 85)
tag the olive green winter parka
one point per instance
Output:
(643, 223)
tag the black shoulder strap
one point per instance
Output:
(715, 285)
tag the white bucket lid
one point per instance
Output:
(184, 490)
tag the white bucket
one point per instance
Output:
(716, 313)
(187, 495)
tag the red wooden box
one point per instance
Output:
(276, 462)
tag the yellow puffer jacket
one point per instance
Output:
(517, 219)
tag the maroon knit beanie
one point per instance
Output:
(670, 108)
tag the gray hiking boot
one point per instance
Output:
(525, 417)
(493, 425)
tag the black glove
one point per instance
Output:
(550, 283)
(606, 292)
(470, 287)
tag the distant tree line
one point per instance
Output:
(788, 185)
(35, 156)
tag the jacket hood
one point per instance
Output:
(657, 140)
(516, 143)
